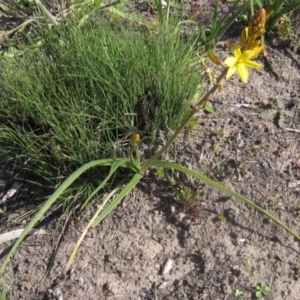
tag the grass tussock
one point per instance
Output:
(81, 93)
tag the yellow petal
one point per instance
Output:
(230, 72)
(237, 51)
(257, 51)
(243, 72)
(254, 45)
(230, 61)
(249, 54)
(253, 64)
(244, 36)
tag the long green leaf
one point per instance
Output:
(127, 189)
(102, 162)
(114, 166)
(225, 190)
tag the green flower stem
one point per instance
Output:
(185, 121)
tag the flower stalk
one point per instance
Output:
(184, 123)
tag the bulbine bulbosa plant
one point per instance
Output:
(249, 47)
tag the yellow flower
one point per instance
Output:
(241, 61)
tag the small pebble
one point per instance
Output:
(168, 266)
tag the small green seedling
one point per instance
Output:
(189, 201)
(160, 173)
(238, 293)
(230, 170)
(170, 176)
(278, 114)
(192, 125)
(208, 108)
(235, 209)
(284, 27)
(262, 290)
(247, 262)
(188, 195)
(258, 146)
(222, 218)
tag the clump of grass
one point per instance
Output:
(83, 90)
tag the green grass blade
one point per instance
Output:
(251, 4)
(46, 12)
(129, 17)
(158, 7)
(280, 12)
(8, 11)
(127, 189)
(276, 6)
(225, 190)
(259, 3)
(54, 197)
(168, 11)
(223, 25)
(101, 5)
(215, 15)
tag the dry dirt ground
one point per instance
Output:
(125, 257)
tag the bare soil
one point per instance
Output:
(229, 246)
